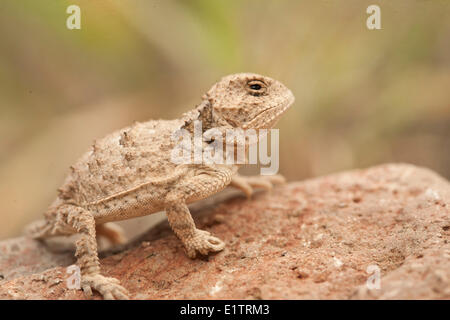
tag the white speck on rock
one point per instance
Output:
(277, 206)
(432, 194)
(338, 263)
(217, 287)
(318, 237)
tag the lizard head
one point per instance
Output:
(248, 101)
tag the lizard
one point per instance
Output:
(129, 173)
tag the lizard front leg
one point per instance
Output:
(194, 240)
(247, 184)
(83, 223)
(180, 219)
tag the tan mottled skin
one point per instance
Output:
(129, 173)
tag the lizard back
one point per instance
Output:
(122, 162)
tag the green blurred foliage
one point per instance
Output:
(363, 97)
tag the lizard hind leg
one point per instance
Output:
(111, 231)
(83, 223)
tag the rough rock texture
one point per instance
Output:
(313, 239)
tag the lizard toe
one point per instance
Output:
(204, 243)
(87, 290)
(109, 288)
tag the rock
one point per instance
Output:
(379, 233)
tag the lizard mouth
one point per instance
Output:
(269, 117)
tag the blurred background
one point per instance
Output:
(363, 97)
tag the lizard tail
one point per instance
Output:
(38, 229)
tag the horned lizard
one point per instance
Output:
(129, 173)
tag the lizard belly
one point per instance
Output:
(141, 202)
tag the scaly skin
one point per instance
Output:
(129, 173)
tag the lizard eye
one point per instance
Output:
(256, 87)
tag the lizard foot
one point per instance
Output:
(247, 184)
(109, 288)
(203, 242)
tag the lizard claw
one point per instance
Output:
(109, 288)
(203, 242)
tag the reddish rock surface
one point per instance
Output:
(313, 239)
